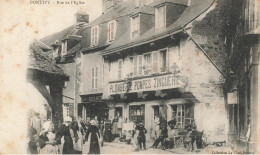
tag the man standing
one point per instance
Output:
(141, 137)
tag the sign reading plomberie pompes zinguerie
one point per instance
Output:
(148, 84)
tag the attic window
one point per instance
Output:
(111, 30)
(64, 48)
(135, 27)
(160, 17)
(94, 35)
(55, 52)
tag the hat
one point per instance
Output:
(45, 126)
(67, 119)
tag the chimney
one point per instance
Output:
(81, 17)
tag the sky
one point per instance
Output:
(20, 23)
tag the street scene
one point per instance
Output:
(149, 77)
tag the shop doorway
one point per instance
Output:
(118, 111)
(99, 110)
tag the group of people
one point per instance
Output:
(66, 139)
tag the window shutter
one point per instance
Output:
(135, 65)
(120, 69)
(140, 64)
(96, 78)
(112, 31)
(155, 61)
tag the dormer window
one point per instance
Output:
(64, 47)
(111, 30)
(55, 52)
(160, 17)
(135, 27)
(94, 35)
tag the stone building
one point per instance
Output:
(142, 59)
(242, 84)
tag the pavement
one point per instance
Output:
(122, 148)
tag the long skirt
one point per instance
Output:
(50, 149)
(93, 144)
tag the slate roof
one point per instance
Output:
(38, 60)
(123, 41)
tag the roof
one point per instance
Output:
(196, 8)
(74, 50)
(115, 13)
(42, 45)
(51, 39)
(38, 60)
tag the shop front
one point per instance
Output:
(93, 107)
(145, 100)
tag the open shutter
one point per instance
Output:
(140, 65)
(155, 61)
(96, 78)
(120, 63)
(135, 65)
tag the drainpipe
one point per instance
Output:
(205, 53)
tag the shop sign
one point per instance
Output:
(232, 98)
(92, 98)
(148, 84)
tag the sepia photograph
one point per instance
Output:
(130, 77)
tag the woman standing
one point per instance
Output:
(47, 141)
(92, 137)
(64, 131)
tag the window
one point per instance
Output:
(64, 48)
(111, 30)
(94, 35)
(155, 62)
(94, 77)
(120, 66)
(138, 65)
(184, 115)
(178, 112)
(55, 52)
(136, 113)
(160, 17)
(147, 64)
(135, 25)
(164, 60)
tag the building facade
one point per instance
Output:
(158, 58)
(243, 82)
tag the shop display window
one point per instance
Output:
(137, 113)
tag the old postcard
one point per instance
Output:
(129, 76)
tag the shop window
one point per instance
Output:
(136, 113)
(94, 77)
(135, 27)
(184, 115)
(160, 17)
(94, 35)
